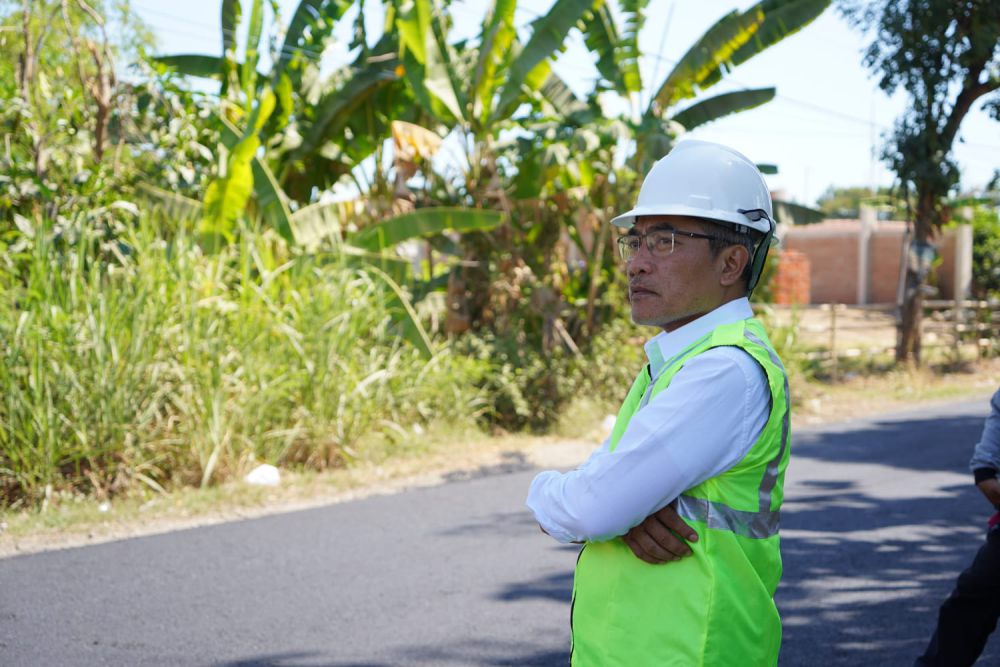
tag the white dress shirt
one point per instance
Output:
(702, 424)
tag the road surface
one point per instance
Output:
(879, 519)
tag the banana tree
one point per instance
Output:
(478, 88)
(576, 165)
(731, 41)
(302, 122)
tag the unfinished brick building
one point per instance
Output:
(858, 262)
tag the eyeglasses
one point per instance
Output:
(659, 242)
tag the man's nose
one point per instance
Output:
(641, 262)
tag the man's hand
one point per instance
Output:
(658, 539)
(991, 489)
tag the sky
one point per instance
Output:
(825, 127)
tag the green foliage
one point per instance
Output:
(548, 34)
(986, 252)
(227, 196)
(530, 390)
(732, 40)
(423, 223)
(846, 202)
(944, 54)
(722, 105)
(153, 364)
(66, 121)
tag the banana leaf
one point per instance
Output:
(547, 38)
(315, 17)
(781, 19)
(333, 110)
(232, 10)
(716, 107)
(498, 35)
(317, 222)
(422, 223)
(271, 200)
(429, 61)
(193, 64)
(248, 70)
(617, 51)
(226, 197)
(701, 66)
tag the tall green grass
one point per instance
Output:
(146, 362)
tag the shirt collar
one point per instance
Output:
(666, 345)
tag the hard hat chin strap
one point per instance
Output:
(760, 257)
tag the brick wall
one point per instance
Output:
(833, 260)
(791, 282)
(885, 252)
(833, 249)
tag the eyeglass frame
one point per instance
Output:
(752, 214)
(645, 238)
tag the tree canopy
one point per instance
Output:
(946, 55)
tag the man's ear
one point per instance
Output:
(733, 261)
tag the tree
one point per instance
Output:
(946, 55)
(66, 118)
(846, 202)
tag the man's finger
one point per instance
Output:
(668, 517)
(637, 549)
(651, 546)
(664, 537)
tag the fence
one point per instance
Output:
(835, 332)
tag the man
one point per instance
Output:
(970, 613)
(701, 443)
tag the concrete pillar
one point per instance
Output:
(963, 261)
(864, 253)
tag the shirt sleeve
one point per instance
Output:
(701, 425)
(986, 459)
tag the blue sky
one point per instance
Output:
(821, 130)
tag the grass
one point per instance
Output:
(144, 362)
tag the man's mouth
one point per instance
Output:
(639, 290)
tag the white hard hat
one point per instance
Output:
(704, 180)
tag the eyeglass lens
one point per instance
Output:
(659, 242)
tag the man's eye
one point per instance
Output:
(662, 240)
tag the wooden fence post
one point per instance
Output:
(833, 342)
(956, 319)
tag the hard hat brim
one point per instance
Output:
(627, 220)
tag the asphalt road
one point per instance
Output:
(879, 519)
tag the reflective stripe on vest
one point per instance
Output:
(758, 525)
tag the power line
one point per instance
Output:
(312, 54)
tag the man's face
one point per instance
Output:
(670, 291)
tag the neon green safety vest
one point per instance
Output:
(716, 607)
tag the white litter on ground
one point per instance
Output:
(263, 475)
